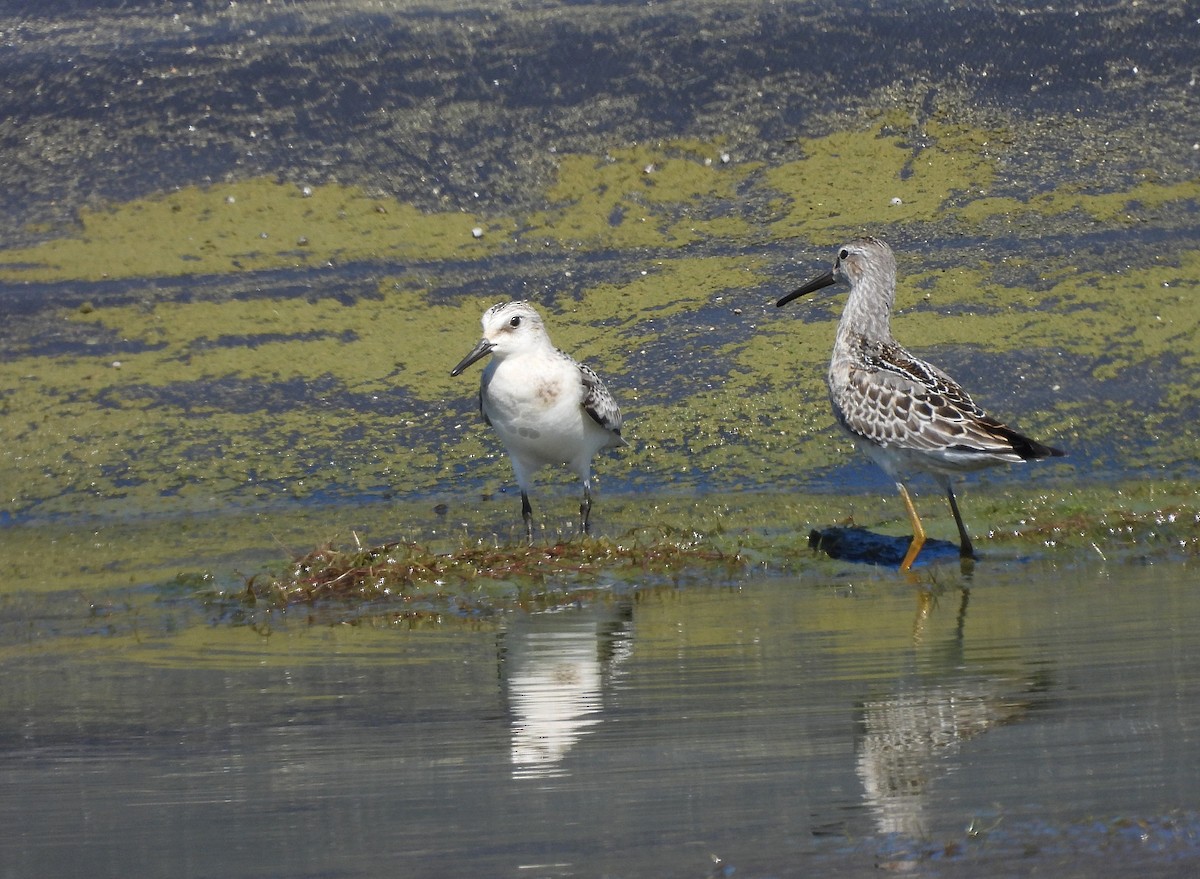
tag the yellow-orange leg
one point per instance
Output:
(918, 539)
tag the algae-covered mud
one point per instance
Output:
(238, 261)
(242, 246)
(261, 571)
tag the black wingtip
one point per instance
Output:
(1029, 449)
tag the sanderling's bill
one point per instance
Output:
(906, 414)
(547, 408)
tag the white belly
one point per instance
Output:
(541, 420)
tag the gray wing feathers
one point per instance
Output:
(598, 402)
(895, 399)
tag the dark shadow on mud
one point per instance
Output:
(860, 545)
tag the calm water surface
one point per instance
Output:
(1045, 721)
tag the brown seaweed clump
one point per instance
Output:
(482, 577)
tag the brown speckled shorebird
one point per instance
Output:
(546, 407)
(906, 414)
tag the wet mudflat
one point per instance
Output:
(245, 243)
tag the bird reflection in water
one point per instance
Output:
(911, 737)
(556, 667)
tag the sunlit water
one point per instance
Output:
(1043, 722)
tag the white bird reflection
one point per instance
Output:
(556, 666)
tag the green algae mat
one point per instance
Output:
(267, 377)
(237, 292)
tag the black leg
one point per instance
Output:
(527, 515)
(585, 509)
(965, 550)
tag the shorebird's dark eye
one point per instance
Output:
(843, 253)
(515, 322)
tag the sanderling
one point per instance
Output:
(547, 408)
(906, 414)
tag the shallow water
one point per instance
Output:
(1040, 720)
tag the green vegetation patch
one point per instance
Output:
(857, 179)
(247, 226)
(1125, 207)
(666, 194)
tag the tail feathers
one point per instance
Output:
(1026, 448)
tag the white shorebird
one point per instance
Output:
(547, 408)
(906, 414)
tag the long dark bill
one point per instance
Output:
(815, 284)
(483, 349)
